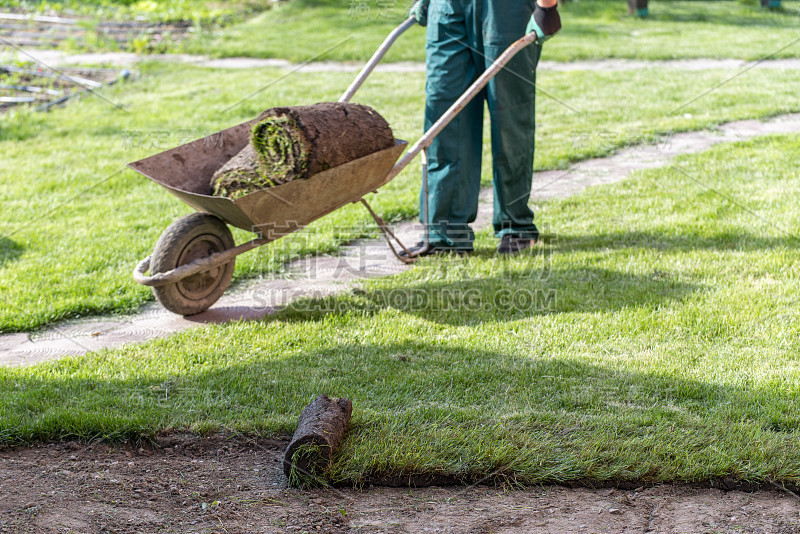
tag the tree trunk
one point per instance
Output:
(298, 142)
(320, 429)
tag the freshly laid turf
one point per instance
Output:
(592, 29)
(75, 222)
(652, 337)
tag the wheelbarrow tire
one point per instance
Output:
(190, 238)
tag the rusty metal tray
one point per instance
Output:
(186, 171)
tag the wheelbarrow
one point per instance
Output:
(192, 263)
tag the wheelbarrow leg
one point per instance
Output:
(389, 236)
(387, 232)
(426, 217)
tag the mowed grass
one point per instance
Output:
(75, 222)
(653, 336)
(592, 29)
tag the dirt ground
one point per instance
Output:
(225, 485)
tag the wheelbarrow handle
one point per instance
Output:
(197, 266)
(476, 87)
(376, 58)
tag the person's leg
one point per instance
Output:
(454, 157)
(511, 97)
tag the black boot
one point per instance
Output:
(428, 249)
(513, 244)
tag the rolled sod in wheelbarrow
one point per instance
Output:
(295, 143)
(320, 430)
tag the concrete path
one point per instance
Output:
(326, 275)
(58, 58)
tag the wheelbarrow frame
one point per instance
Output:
(419, 148)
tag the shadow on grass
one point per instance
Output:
(688, 241)
(457, 411)
(9, 250)
(511, 293)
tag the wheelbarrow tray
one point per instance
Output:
(186, 172)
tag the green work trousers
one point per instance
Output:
(464, 37)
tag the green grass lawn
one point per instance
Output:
(592, 29)
(75, 222)
(662, 346)
(346, 30)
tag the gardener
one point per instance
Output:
(463, 38)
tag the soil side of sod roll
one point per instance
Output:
(320, 430)
(295, 143)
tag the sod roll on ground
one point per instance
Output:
(295, 143)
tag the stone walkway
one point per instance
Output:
(57, 58)
(326, 275)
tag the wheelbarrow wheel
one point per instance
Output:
(191, 238)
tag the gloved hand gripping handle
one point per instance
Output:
(545, 22)
(420, 12)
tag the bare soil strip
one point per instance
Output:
(223, 484)
(320, 276)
